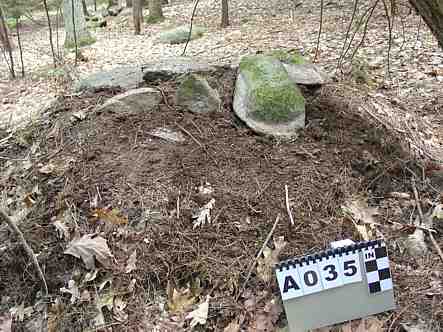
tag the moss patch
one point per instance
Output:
(180, 35)
(80, 42)
(276, 97)
(286, 57)
(192, 85)
(154, 19)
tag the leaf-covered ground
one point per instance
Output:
(351, 174)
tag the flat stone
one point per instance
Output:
(132, 102)
(127, 77)
(169, 68)
(196, 95)
(307, 74)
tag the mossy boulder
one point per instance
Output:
(196, 95)
(180, 35)
(266, 98)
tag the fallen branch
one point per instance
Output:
(254, 262)
(5, 218)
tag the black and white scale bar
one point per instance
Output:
(378, 273)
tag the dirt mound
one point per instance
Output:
(111, 163)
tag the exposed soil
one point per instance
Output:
(112, 162)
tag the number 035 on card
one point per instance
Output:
(336, 285)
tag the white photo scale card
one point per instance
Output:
(336, 285)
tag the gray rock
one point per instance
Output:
(132, 102)
(195, 95)
(180, 35)
(127, 77)
(169, 68)
(266, 99)
(307, 74)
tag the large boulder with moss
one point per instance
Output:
(196, 95)
(266, 98)
(132, 102)
(180, 35)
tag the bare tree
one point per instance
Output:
(6, 43)
(137, 13)
(19, 42)
(128, 3)
(155, 11)
(224, 14)
(432, 13)
(74, 19)
(85, 8)
(54, 58)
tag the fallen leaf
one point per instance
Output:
(62, 229)
(130, 266)
(112, 216)
(168, 135)
(419, 327)
(73, 290)
(5, 322)
(199, 315)
(399, 195)
(118, 311)
(88, 247)
(180, 300)
(203, 215)
(233, 326)
(105, 300)
(362, 216)
(85, 296)
(47, 169)
(265, 265)
(20, 312)
(90, 276)
(437, 213)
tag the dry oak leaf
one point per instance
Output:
(130, 266)
(90, 247)
(199, 315)
(180, 300)
(112, 216)
(362, 216)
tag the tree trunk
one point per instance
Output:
(432, 13)
(225, 14)
(128, 3)
(112, 3)
(4, 33)
(85, 8)
(6, 43)
(79, 23)
(137, 13)
(19, 42)
(155, 11)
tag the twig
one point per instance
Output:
(251, 266)
(397, 317)
(190, 135)
(178, 205)
(421, 216)
(319, 30)
(190, 27)
(288, 208)
(390, 27)
(4, 218)
(347, 33)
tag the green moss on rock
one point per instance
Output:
(277, 98)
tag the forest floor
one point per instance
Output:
(370, 141)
